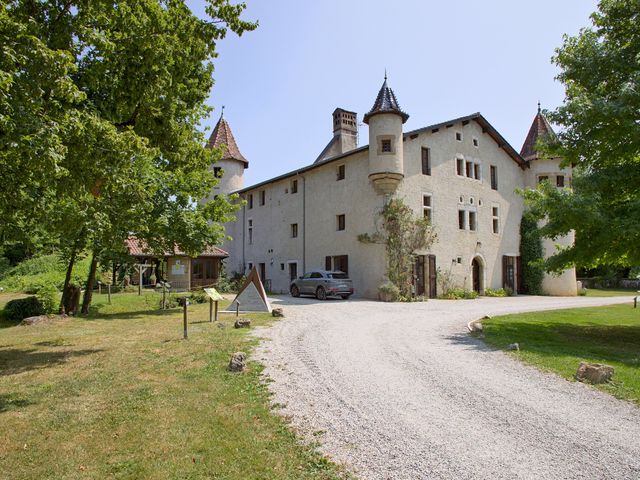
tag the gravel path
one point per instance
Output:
(400, 391)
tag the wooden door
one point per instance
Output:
(475, 272)
(418, 275)
(508, 272)
(433, 286)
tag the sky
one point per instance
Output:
(280, 83)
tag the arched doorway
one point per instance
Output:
(476, 275)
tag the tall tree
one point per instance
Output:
(130, 158)
(600, 69)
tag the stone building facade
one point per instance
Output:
(461, 174)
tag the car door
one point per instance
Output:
(314, 281)
(305, 283)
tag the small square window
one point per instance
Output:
(385, 146)
(340, 222)
(294, 186)
(217, 172)
(459, 136)
(560, 181)
(282, 266)
(340, 173)
(543, 178)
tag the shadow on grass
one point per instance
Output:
(96, 314)
(619, 343)
(7, 402)
(16, 360)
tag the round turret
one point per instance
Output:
(230, 168)
(385, 120)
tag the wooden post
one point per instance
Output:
(185, 317)
(216, 314)
(635, 302)
(109, 292)
(211, 310)
(139, 280)
(237, 308)
(99, 288)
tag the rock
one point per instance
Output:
(35, 320)
(514, 346)
(238, 362)
(594, 372)
(242, 323)
(475, 326)
(221, 325)
(277, 312)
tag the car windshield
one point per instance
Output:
(338, 275)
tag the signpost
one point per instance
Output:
(214, 297)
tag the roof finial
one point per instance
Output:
(538, 106)
(222, 112)
(385, 74)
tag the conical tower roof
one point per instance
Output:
(386, 102)
(222, 135)
(540, 128)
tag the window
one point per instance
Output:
(263, 197)
(217, 172)
(560, 181)
(543, 178)
(476, 171)
(338, 263)
(460, 166)
(475, 142)
(340, 223)
(459, 136)
(340, 173)
(250, 200)
(469, 169)
(293, 271)
(426, 207)
(385, 146)
(426, 161)
(282, 267)
(294, 230)
(495, 216)
(494, 177)
(473, 226)
(250, 231)
(294, 186)
(462, 220)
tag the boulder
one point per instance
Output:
(475, 326)
(594, 373)
(35, 320)
(238, 362)
(277, 312)
(514, 346)
(242, 323)
(221, 325)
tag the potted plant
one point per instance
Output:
(388, 292)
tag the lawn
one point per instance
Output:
(611, 292)
(559, 340)
(121, 395)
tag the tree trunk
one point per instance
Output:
(67, 280)
(91, 280)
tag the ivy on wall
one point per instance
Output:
(532, 255)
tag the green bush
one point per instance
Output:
(230, 284)
(35, 273)
(459, 294)
(199, 296)
(498, 292)
(49, 298)
(21, 308)
(5, 266)
(531, 254)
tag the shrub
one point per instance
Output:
(498, 292)
(459, 294)
(17, 310)
(37, 272)
(231, 284)
(199, 296)
(48, 297)
(389, 292)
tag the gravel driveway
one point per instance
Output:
(400, 391)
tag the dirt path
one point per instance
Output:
(400, 391)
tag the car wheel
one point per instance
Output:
(321, 294)
(345, 297)
(295, 292)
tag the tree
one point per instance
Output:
(130, 158)
(600, 69)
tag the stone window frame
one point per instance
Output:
(391, 139)
(472, 213)
(462, 219)
(496, 228)
(459, 136)
(460, 165)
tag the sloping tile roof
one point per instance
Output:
(139, 248)
(540, 128)
(386, 102)
(222, 135)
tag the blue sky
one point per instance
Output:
(281, 82)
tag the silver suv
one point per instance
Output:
(322, 284)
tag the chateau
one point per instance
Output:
(461, 174)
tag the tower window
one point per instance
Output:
(340, 173)
(385, 146)
(340, 222)
(426, 161)
(217, 172)
(560, 181)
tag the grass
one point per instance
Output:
(559, 340)
(121, 395)
(611, 292)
